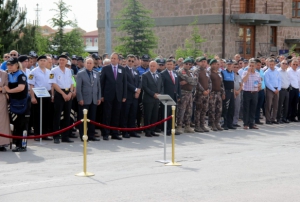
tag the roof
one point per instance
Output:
(92, 33)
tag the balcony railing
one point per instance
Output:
(262, 8)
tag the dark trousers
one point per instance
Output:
(111, 115)
(283, 104)
(60, 105)
(20, 124)
(129, 111)
(271, 103)
(140, 110)
(46, 121)
(260, 104)
(92, 109)
(228, 108)
(293, 101)
(249, 106)
(150, 114)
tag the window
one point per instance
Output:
(273, 36)
(96, 40)
(296, 9)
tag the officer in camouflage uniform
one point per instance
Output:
(216, 96)
(203, 89)
(187, 83)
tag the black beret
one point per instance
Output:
(42, 57)
(33, 54)
(55, 57)
(12, 61)
(22, 58)
(63, 56)
(80, 58)
(74, 57)
(145, 57)
(212, 61)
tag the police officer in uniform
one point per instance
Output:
(187, 83)
(203, 89)
(39, 77)
(228, 102)
(61, 80)
(141, 70)
(216, 96)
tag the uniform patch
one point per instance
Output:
(51, 76)
(30, 77)
(24, 78)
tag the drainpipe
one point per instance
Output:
(223, 30)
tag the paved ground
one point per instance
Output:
(254, 165)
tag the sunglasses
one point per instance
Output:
(295, 64)
(13, 54)
(284, 63)
(130, 60)
(6, 57)
(161, 65)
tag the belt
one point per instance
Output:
(251, 91)
(66, 89)
(283, 88)
(275, 88)
(231, 90)
(295, 88)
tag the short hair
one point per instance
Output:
(241, 61)
(293, 61)
(289, 61)
(271, 60)
(252, 61)
(169, 60)
(106, 61)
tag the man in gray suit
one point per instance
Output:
(152, 85)
(88, 90)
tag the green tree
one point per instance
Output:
(60, 41)
(192, 45)
(135, 22)
(12, 20)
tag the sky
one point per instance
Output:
(85, 12)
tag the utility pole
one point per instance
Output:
(107, 27)
(37, 10)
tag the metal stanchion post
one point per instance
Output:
(85, 138)
(173, 163)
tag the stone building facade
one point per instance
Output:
(252, 27)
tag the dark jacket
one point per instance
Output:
(171, 89)
(150, 87)
(133, 82)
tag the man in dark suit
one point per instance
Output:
(88, 91)
(114, 92)
(152, 85)
(129, 108)
(171, 88)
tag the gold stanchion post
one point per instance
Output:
(173, 163)
(85, 138)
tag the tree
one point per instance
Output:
(135, 21)
(12, 21)
(59, 21)
(192, 45)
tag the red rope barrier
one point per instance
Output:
(130, 129)
(45, 135)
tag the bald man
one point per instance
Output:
(152, 86)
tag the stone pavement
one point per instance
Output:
(253, 165)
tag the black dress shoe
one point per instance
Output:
(236, 125)
(269, 123)
(169, 134)
(275, 122)
(3, 149)
(285, 121)
(148, 135)
(73, 136)
(231, 127)
(135, 135)
(116, 138)
(56, 141)
(154, 134)
(93, 139)
(157, 130)
(105, 138)
(294, 120)
(19, 149)
(258, 122)
(126, 136)
(47, 138)
(67, 140)
(224, 127)
(280, 122)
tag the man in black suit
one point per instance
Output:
(171, 88)
(129, 108)
(114, 91)
(152, 86)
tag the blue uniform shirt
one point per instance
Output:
(262, 75)
(141, 70)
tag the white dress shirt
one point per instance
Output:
(293, 75)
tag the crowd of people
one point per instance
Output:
(123, 92)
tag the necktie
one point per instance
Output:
(171, 75)
(91, 78)
(154, 77)
(115, 72)
(132, 72)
